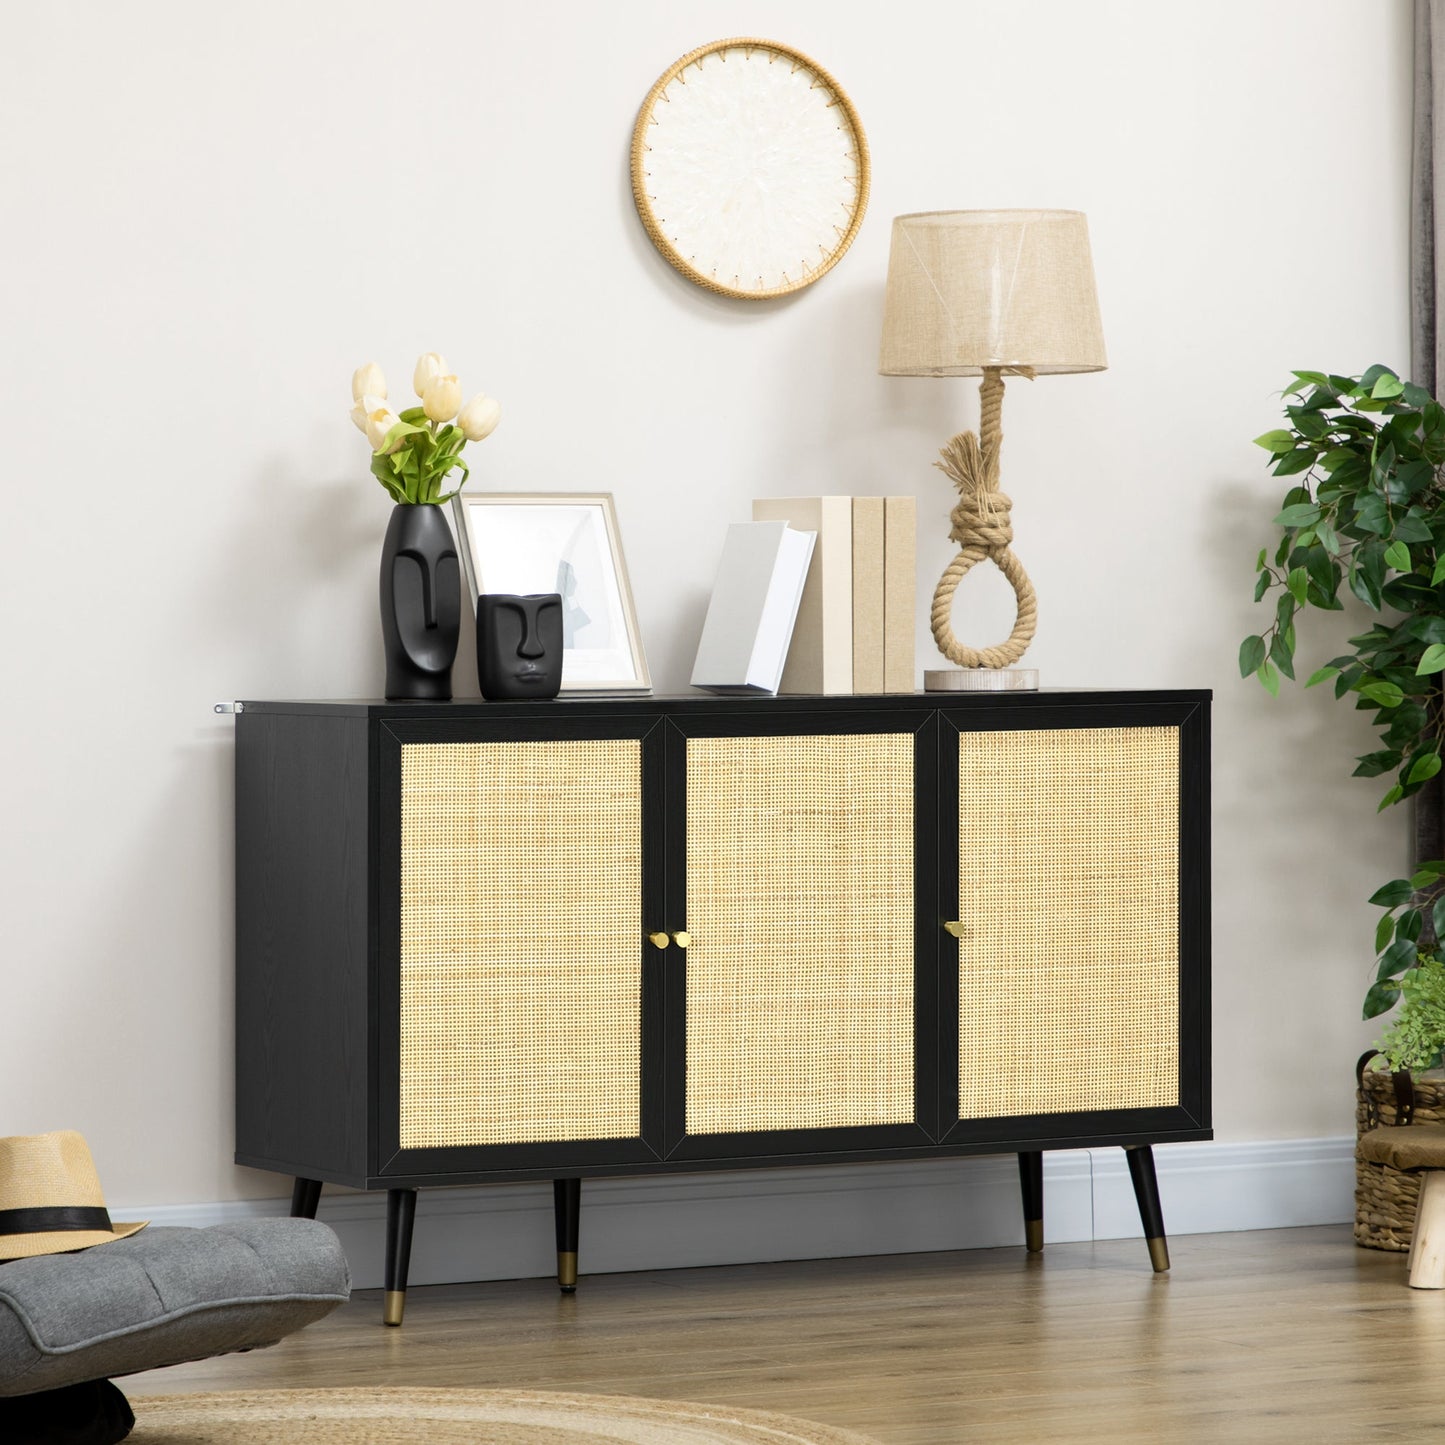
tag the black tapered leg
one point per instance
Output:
(1146, 1191)
(1031, 1180)
(400, 1214)
(567, 1207)
(305, 1196)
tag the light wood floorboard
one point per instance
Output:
(1280, 1335)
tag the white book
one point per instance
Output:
(821, 660)
(753, 608)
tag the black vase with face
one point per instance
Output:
(421, 604)
(519, 645)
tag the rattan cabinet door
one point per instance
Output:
(794, 1009)
(521, 1005)
(1073, 940)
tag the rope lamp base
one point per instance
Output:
(981, 679)
(980, 527)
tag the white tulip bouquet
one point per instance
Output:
(414, 452)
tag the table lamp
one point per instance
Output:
(991, 294)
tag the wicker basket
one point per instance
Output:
(1385, 1198)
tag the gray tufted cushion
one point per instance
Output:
(161, 1297)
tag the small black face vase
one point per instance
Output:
(421, 604)
(519, 645)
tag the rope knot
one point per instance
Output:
(983, 519)
(980, 520)
(981, 526)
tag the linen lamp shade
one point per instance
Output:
(975, 289)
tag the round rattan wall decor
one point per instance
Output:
(749, 168)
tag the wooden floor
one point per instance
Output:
(1283, 1335)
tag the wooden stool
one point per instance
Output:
(1418, 1148)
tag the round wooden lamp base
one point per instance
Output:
(981, 679)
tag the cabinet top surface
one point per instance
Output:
(465, 708)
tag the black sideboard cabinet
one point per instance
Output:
(502, 941)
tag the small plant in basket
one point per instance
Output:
(1416, 1037)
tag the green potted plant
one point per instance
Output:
(1366, 512)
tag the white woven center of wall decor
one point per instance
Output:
(750, 168)
(1069, 899)
(521, 939)
(800, 907)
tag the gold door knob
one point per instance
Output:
(682, 938)
(955, 928)
(658, 940)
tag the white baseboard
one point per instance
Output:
(504, 1231)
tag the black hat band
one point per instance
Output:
(48, 1221)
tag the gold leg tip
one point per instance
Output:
(393, 1306)
(567, 1271)
(1034, 1235)
(1159, 1254)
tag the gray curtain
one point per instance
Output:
(1425, 273)
(1424, 298)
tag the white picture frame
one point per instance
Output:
(568, 543)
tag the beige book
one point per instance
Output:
(867, 594)
(820, 658)
(900, 592)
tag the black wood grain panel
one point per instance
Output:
(302, 923)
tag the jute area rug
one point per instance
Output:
(447, 1417)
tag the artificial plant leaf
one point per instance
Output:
(1412, 477)
(1397, 555)
(1269, 679)
(1372, 514)
(1390, 798)
(1281, 652)
(1380, 999)
(1426, 628)
(1384, 693)
(1433, 660)
(1371, 765)
(1348, 678)
(1393, 893)
(1425, 875)
(1384, 931)
(1408, 926)
(1405, 725)
(1252, 652)
(1324, 571)
(1291, 463)
(1399, 956)
(1276, 441)
(1407, 591)
(1299, 514)
(1322, 674)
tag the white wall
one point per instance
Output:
(212, 214)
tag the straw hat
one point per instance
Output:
(50, 1199)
